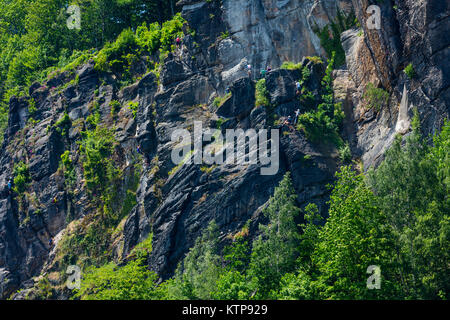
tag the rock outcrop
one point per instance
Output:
(411, 33)
(175, 203)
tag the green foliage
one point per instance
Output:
(325, 122)
(113, 55)
(93, 120)
(274, 253)
(225, 35)
(197, 274)
(412, 185)
(134, 107)
(315, 59)
(144, 249)
(21, 177)
(97, 148)
(231, 285)
(35, 41)
(288, 65)
(110, 282)
(64, 124)
(44, 290)
(375, 98)
(330, 40)
(236, 256)
(3, 120)
(219, 101)
(119, 56)
(409, 71)
(261, 94)
(68, 169)
(132, 281)
(114, 197)
(115, 107)
(354, 237)
(401, 227)
(345, 154)
(32, 107)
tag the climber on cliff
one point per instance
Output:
(299, 87)
(249, 70)
(263, 73)
(55, 202)
(289, 120)
(288, 123)
(50, 242)
(138, 149)
(178, 41)
(9, 186)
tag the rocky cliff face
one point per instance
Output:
(176, 203)
(411, 32)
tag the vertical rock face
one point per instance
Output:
(411, 33)
(176, 203)
(269, 32)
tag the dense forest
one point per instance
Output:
(35, 39)
(395, 218)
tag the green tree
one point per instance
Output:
(325, 122)
(132, 281)
(274, 252)
(355, 236)
(412, 185)
(233, 283)
(197, 274)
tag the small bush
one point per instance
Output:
(345, 153)
(64, 124)
(21, 177)
(115, 107)
(225, 35)
(315, 59)
(261, 94)
(68, 169)
(330, 36)
(32, 107)
(133, 106)
(288, 65)
(323, 123)
(219, 101)
(409, 71)
(375, 98)
(97, 148)
(111, 57)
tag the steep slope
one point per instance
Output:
(411, 33)
(151, 194)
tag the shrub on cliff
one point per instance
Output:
(323, 124)
(261, 94)
(375, 98)
(21, 177)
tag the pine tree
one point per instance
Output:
(274, 253)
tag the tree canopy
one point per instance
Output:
(393, 219)
(34, 36)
